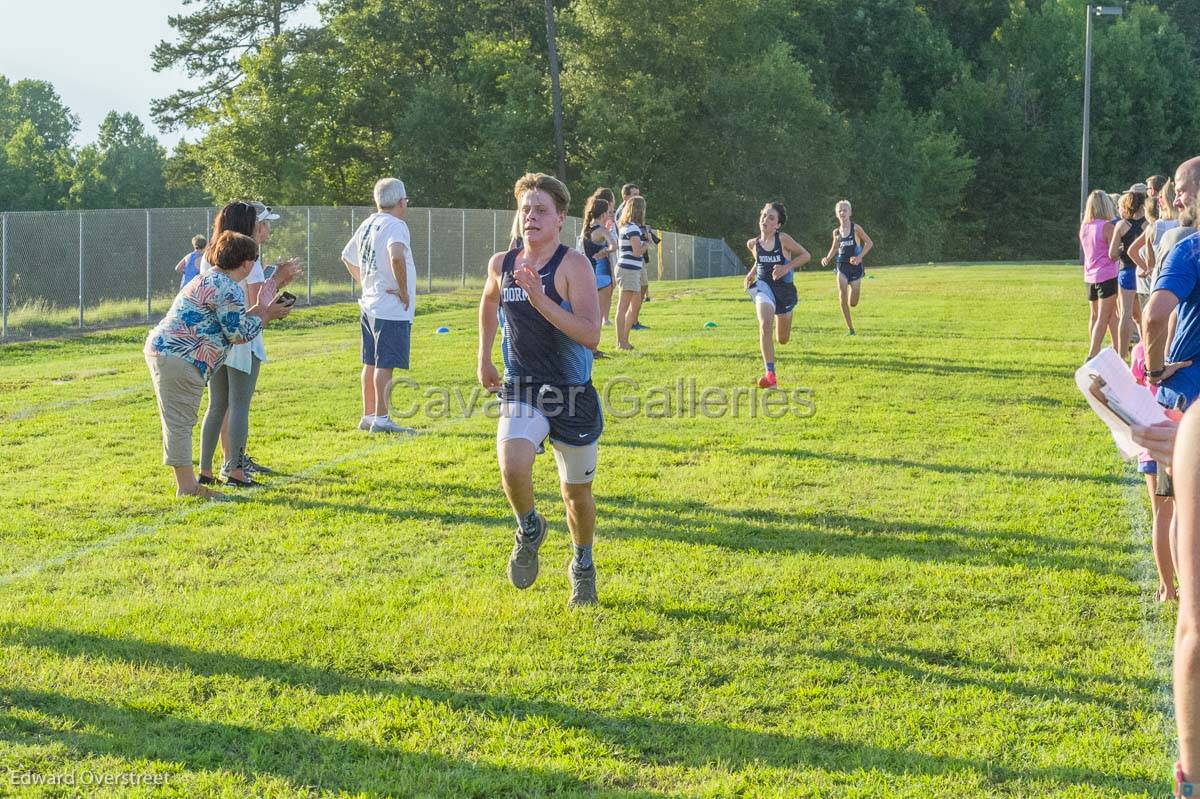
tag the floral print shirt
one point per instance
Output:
(206, 319)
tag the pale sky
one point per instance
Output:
(97, 55)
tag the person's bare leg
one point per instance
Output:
(1126, 300)
(783, 327)
(581, 512)
(766, 339)
(1093, 319)
(623, 319)
(635, 308)
(844, 299)
(1186, 474)
(382, 378)
(516, 473)
(606, 301)
(1114, 324)
(1104, 314)
(1160, 515)
(1164, 510)
(368, 390)
(855, 289)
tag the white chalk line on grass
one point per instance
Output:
(1159, 638)
(33, 410)
(142, 530)
(30, 411)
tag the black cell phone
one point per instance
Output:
(285, 298)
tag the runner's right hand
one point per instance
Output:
(489, 378)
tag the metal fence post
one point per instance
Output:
(429, 246)
(464, 248)
(308, 250)
(149, 311)
(81, 269)
(675, 252)
(352, 229)
(4, 276)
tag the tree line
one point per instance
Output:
(954, 127)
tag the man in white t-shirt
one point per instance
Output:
(379, 257)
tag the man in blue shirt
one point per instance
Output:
(1177, 289)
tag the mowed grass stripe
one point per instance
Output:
(927, 589)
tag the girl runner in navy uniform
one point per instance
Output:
(551, 325)
(850, 245)
(769, 282)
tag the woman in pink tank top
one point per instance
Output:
(1099, 270)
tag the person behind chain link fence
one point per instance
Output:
(189, 265)
(379, 256)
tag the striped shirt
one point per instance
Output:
(628, 259)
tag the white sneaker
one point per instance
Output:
(365, 422)
(382, 424)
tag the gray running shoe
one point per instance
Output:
(388, 426)
(365, 423)
(523, 562)
(583, 585)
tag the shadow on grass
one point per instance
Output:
(306, 758)
(759, 530)
(890, 462)
(303, 758)
(806, 359)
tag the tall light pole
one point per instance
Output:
(1092, 11)
(555, 91)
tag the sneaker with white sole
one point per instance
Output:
(583, 585)
(380, 425)
(523, 562)
(365, 423)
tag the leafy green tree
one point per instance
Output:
(211, 42)
(123, 169)
(907, 177)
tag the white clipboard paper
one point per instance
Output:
(1119, 389)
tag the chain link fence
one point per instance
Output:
(79, 269)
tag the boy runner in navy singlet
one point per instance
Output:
(551, 323)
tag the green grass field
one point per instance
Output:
(939, 585)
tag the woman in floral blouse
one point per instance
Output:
(208, 317)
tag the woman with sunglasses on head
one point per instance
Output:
(231, 387)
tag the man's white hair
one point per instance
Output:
(389, 192)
